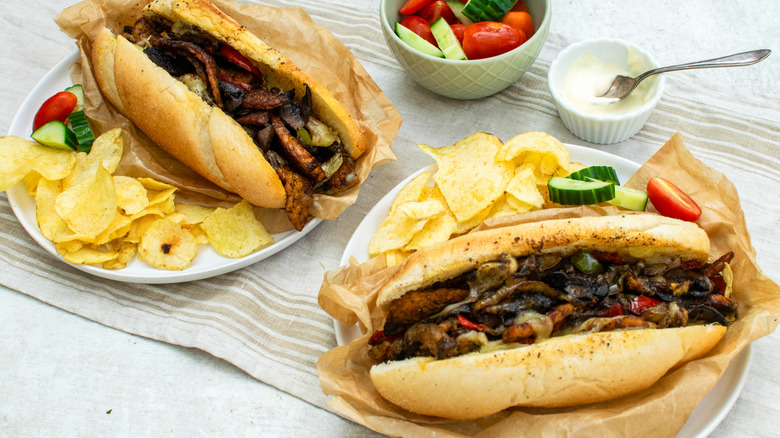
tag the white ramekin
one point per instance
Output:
(600, 128)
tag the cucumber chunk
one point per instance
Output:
(566, 191)
(447, 41)
(80, 126)
(457, 10)
(487, 10)
(78, 91)
(601, 173)
(631, 199)
(416, 41)
(56, 135)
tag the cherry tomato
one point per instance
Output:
(436, 10)
(520, 6)
(420, 27)
(458, 29)
(56, 107)
(520, 20)
(670, 201)
(412, 6)
(641, 303)
(490, 38)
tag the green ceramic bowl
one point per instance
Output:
(466, 79)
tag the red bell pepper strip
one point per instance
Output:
(641, 303)
(614, 310)
(465, 323)
(238, 59)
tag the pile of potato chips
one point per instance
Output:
(477, 178)
(95, 217)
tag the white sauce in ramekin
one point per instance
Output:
(590, 77)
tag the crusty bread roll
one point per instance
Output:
(638, 235)
(563, 371)
(199, 135)
(558, 371)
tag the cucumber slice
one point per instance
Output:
(447, 41)
(416, 41)
(80, 125)
(487, 10)
(601, 173)
(566, 191)
(56, 135)
(457, 9)
(77, 90)
(631, 199)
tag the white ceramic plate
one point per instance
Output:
(708, 413)
(208, 263)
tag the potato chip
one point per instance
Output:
(411, 191)
(68, 247)
(398, 228)
(89, 206)
(166, 245)
(50, 223)
(107, 149)
(83, 168)
(395, 232)
(422, 210)
(469, 176)
(19, 156)
(131, 195)
(153, 184)
(544, 151)
(87, 255)
(197, 231)
(139, 226)
(467, 225)
(523, 187)
(31, 182)
(124, 250)
(193, 213)
(436, 230)
(518, 205)
(236, 232)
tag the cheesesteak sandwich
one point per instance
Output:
(548, 314)
(230, 107)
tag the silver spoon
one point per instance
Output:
(622, 86)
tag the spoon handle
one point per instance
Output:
(736, 60)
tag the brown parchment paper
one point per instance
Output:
(349, 295)
(289, 30)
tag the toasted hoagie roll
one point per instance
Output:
(548, 314)
(230, 107)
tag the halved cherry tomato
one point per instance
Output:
(56, 107)
(520, 20)
(420, 27)
(458, 29)
(436, 10)
(490, 38)
(412, 6)
(641, 303)
(670, 201)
